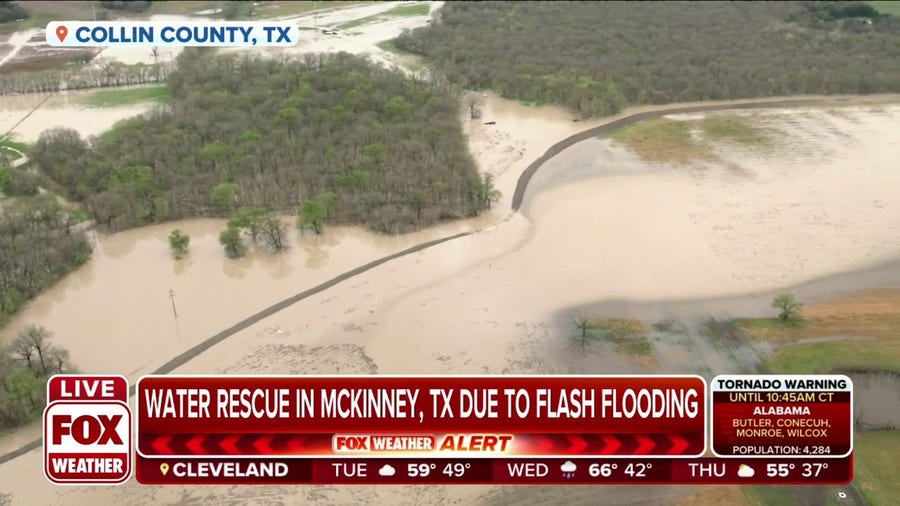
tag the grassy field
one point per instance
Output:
(669, 140)
(875, 466)
(113, 98)
(865, 329)
(715, 496)
(628, 338)
(827, 356)
(874, 314)
(419, 9)
(390, 47)
(732, 127)
(662, 140)
(270, 9)
(869, 323)
(891, 7)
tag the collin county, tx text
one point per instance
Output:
(181, 34)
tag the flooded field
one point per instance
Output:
(601, 230)
(653, 240)
(29, 115)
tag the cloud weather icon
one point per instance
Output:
(568, 468)
(745, 471)
(387, 470)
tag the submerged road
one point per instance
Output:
(518, 198)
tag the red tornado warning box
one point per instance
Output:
(421, 416)
(782, 416)
(87, 430)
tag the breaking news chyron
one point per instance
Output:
(448, 429)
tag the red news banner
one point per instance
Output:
(782, 416)
(421, 416)
(394, 430)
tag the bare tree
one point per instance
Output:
(33, 341)
(582, 322)
(59, 360)
(474, 102)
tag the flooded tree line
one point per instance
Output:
(101, 74)
(346, 140)
(38, 245)
(333, 139)
(596, 57)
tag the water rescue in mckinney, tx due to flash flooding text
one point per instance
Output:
(427, 253)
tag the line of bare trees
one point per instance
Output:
(102, 74)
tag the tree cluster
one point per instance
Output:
(244, 132)
(11, 11)
(39, 244)
(596, 57)
(263, 228)
(26, 364)
(129, 5)
(179, 243)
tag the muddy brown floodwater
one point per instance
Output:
(599, 224)
(119, 305)
(65, 109)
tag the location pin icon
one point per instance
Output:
(164, 468)
(61, 32)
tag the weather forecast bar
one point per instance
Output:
(497, 471)
(421, 416)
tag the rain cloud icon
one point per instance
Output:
(568, 469)
(387, 470)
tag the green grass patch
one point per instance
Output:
(768, 495)
(633, 346)
(663, 140)
(12, 149)
(402, 11)
(182, 7)
(669, 140)
(389, 46)
(79, 215)
(756, 326)
(891, 7)
(876, 466)
(278, 9)
(113, 98)
(669, 327)
(420, 9)
(732, 127)
(828, 356)
(628, 336)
